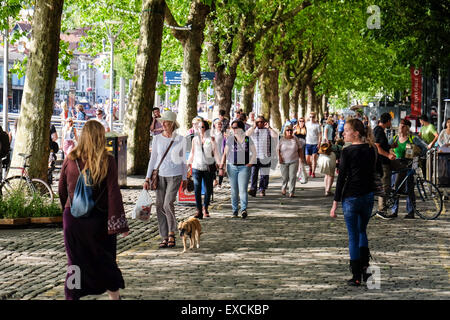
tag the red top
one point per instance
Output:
(110, 200)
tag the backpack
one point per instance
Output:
(4, 143)
(83, 203)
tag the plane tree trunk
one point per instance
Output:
(33, 128)
(138, 116)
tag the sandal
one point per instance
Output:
(163, 244)
(171, 244)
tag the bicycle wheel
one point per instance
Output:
(43, 189)
(18, 185)
(428, 200)
(13, 186)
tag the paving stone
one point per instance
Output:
(285, 249)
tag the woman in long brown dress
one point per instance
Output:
(91, 241)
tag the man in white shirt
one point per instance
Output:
(100, 119)
(313, 141)
(265, 139)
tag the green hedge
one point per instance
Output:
(17, 205)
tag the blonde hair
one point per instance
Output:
(91, 149)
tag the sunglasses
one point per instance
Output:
(287, 130)
(301, 121)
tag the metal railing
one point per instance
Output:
(59, 123)
(431, 166)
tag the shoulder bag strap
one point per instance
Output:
(165, 153)
(247, 150)
(396, 138)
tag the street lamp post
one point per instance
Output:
(112, 39)
(5, 80)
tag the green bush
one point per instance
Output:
(16, 205)
(53, 210)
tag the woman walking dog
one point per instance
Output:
(168, 159)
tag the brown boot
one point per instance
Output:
(205, 212)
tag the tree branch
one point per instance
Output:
(180, 35)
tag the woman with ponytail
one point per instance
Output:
(355, 189)
(91, 241)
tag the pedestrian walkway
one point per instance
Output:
(285, 249)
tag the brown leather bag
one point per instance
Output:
(155, 173)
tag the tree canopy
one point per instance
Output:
(304, 51)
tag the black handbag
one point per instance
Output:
(190, 185)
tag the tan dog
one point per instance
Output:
(192, 228)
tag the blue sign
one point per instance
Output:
(174, 77)
(208, 75)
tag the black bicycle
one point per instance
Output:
(428, 203)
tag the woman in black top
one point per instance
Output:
(355, 188)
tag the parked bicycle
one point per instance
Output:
(25, 184)
(428, 199)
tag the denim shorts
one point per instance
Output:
(311, 149)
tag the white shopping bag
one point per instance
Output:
(302, 176)
(143, 208)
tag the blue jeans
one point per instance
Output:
(239, 178)
(357, 211)
(396, 179)
(199, 176)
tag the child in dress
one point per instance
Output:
(327, 165)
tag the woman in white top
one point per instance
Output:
(12, 137)
(220, 136)
(203, 160)
(172, 172)
(69, 137)
(289, 153)
(444, 138)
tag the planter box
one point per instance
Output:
(14, 221)
(41, 220)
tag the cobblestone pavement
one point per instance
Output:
(285, 249)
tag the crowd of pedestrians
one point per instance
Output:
(302, 143)
(247, 150)
(244, 149)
